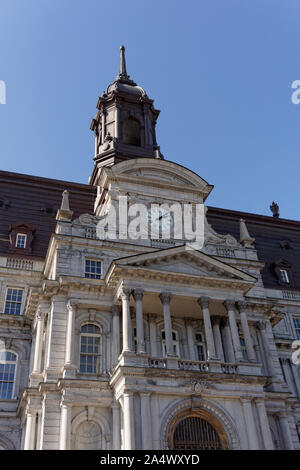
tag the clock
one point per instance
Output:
(161, 222)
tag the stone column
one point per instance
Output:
(246, 331)
(190, 338)
(146, 421)
(128, 410)
(229, 304)
(210, 343)
(29, 443)
(230, 357)
(65, 427)
(140, 335)
(152, 334)
(217, 338)
(264, 424)
(103, 126)
(38, 343)
(285, 431)
(250, 424)
(268, 355)
(69, 360)
(115, 349)
(116, 426)
(165, 298)
(126, 319)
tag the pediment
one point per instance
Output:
(161, 171)
(184, 260)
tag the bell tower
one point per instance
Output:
(124, 126)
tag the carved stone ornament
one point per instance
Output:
(211, 236)
(201, 386)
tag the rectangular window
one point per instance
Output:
(297, 326)
(244, 349)
(200, 346)
(284, 278)
(21, 240)
(7, 374)
(93, 269)
(13, 303)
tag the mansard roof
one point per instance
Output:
(34, 200)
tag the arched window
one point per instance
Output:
(90, 336)
(200, 346)
(8, 365)
(131, 131)
(175, 343)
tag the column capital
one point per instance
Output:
(116, 310)
(246, 399)
(152, 317)
(241, 305)
(138, 294)
(216, 319)
(229, 304)
(72, 304)
(262, 325)
(260, 401)
(145, 393)
(203, 302)
(41, 313)
(165, 297)
(125, 293)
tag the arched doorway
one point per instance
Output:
(196, 430)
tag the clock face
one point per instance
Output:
(160, 221)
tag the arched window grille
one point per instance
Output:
(195, 433)
(90, 337)
(175, 343)
(200, 346)
(8, 366)
(131, 131)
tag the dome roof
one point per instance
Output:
(119, 85)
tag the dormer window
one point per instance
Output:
(284, 277)
(283, 271)
(21, 240)
(21, 237)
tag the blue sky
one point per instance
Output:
(220, 71)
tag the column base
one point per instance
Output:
(69, 371)
(130, 358)
(172, 362)
(249, 368)
(36, 378)
(214, 365)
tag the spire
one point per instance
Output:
(122, 62)
(64, 213)
(123, 77)
(245, 238)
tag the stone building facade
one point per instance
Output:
(121, 343)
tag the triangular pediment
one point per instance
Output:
(185, 260)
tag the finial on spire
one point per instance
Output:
(123, 71)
